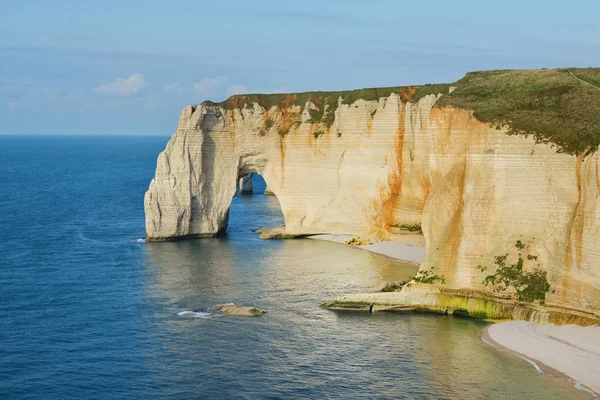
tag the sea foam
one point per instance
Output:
(195, 314)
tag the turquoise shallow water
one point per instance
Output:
(87, 311)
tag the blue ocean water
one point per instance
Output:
(87, 310)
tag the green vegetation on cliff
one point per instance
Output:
(267, 101)
(327, 102)
(558, 106)
(428, 277)
(529, 286)
(416, 228)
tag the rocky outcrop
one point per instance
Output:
(462, 302)
(246, 184)
(235, 310)
(373, 168)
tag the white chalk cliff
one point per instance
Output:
(386, 164)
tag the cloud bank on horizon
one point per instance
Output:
(117, 67)
(131, 86)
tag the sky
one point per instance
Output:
(129, 67)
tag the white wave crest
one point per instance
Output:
(538, 369)
(195, 314)
(140, 240)
(579, 386)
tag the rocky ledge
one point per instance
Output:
(423, 298)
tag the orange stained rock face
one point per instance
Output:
(574, 246)
(406, 93)
(597, 176)
(233, 129)
(390, 195)
(282, 161)
(455, 127)
(286, 121)
(454, 235)
(575, 234)
(266, 118)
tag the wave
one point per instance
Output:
(196, 314)
(140, 240)
(579, 386)
(538, 369)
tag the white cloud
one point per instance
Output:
(120, 87)
(236, 89)
(206, 85)
(172, 87)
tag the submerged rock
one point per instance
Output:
(238, 310)
(274, 233)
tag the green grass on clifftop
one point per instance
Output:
(327, 102)
(559, 106)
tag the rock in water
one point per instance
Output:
(274, 233)
(237, 310)
(246, 184)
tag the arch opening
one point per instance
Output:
(247, 185)
(253, 206)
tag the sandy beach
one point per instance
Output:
(570, 350)
(405, 251)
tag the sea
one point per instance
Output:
(88, 310)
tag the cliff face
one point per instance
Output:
(380, 167)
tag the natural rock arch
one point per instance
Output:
(197, 176)
(320, 174)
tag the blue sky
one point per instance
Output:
(129, 67)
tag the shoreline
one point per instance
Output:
(409, 251)
(569, 352)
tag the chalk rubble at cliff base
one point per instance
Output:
(571, 350)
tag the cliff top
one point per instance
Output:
(556, 106)
(407, 93)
